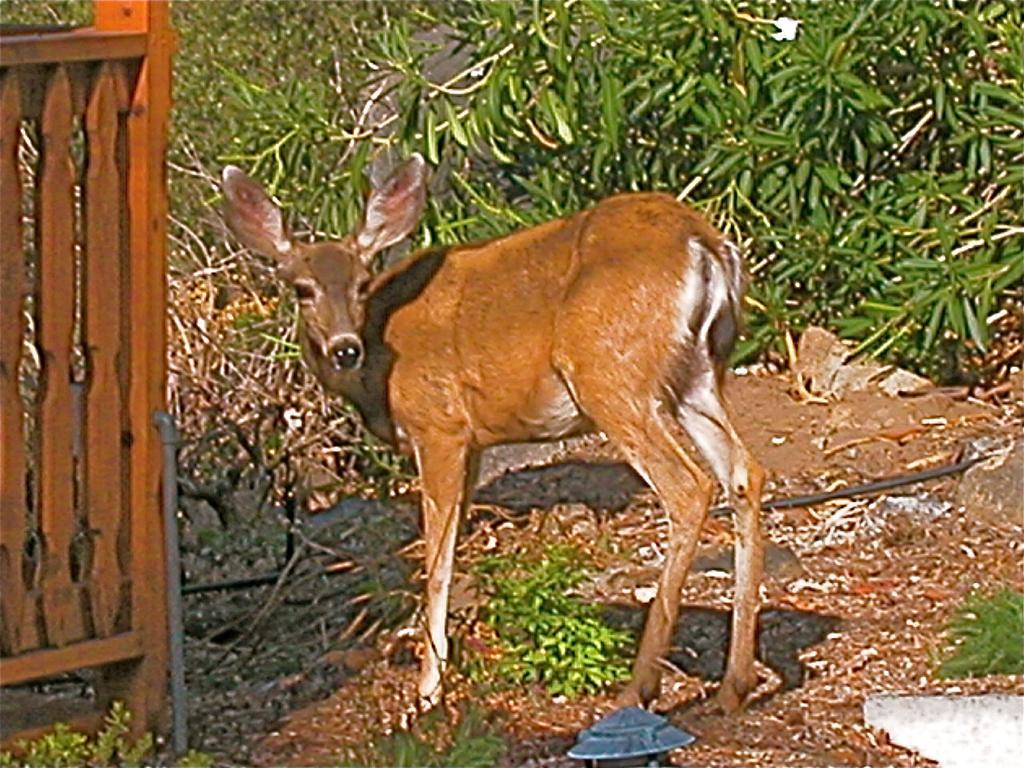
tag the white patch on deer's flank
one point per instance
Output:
(638, 467)
(705, 420)
(688, 300)
(700, 301)
(711, 443)
(559, 415)
(717, 291)
(734, 260)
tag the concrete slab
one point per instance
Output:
(955, 731)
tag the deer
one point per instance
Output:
(619, 319)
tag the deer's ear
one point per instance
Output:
(253, 217)
(394, 208)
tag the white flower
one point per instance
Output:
(786, 27)
(645, 594)
(293, 418)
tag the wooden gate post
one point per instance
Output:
(143, 684)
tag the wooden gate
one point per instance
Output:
(83, 210)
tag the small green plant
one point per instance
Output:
(986, 636)
(195, 759)
(65, 748)
(545, 633)
(473, 744)
(382, 466)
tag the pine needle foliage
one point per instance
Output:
(986, 637)
(872, 166)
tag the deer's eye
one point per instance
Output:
(305, 291)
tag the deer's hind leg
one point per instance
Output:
(705, 418)
(641, 428)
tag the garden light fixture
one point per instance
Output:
(628, 737)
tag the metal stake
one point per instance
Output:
(175, 627)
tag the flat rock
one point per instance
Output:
(598, 485)
(993, 490)
(349, 509)
(825, 366)
(500, 459)
(779, 562)
(955, 731)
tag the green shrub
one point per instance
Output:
(986, 637)
(64, 748)
(545, 633)
(873, 164)
(195, 759)
(59, 12)
(473, 744)
(111, 747)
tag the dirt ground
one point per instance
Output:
(314, 670)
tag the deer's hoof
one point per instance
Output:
(734, 693)
(641, 691)
(629, 697)
(429, 697)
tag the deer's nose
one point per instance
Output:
(346, 352)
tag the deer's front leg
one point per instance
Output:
(447, 473)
